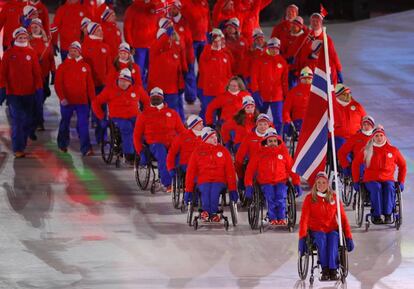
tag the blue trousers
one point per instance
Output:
(159, 151)
(276, 200)
(327, 244)
(98, 129)
(126, 127)
(82, 127)
(64, 54)
(141, 58)
(190, 91)
(175, 102)
(292, 79)
(198, 47)
(23, 119)
(276, 108)
(210, 196)
(205, 101)
(382, 195)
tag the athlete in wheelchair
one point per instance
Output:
(353, 146)
(156, 127)
(272, 166)
(123, 100)
(211, 167)
(318, 234)
(179, 154)
(379, 160)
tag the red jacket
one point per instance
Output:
(121, 103)
(167, 64)
(10, 19)
(214, 71)
(210, 164)
(320, 216)
(228, 103)
(384, 161)
(197, 13)
(231, 131)
(239, 50)
(43, 15)
(291, 44)
(183, 146)
(270, 78)
(157, 126)
(184, 31)
(45, 55)
(74, 82)
(249, 146)
(250, 11)
(133, 67)
(252, 55)
(355, 144)
(96, 54)
(68, 21)
(20, 71)
(296, 103)
(281, 29)
(220, 15)
(270, 165)
(140, 15)
(94, 10)
(112, 37)
(348, 118)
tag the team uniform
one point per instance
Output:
(112, 33)
(295, 105)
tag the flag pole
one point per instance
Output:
(331, 122)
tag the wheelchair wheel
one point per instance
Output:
(347, 191)
(175, 192)
(398, 208)
(108, 143)
(359, 207)
(343, 263)
(234, 213)
(142, 174)
(190, 212)
(291, 208)
(226, 224)
(303, 265)
(254, 210)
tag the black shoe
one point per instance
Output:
(333, 275)
(33, 137)
(377, 220)
(41, 127)
(387, 219)
(325, 274)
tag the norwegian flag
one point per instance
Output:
(310, 157)
(163, 6)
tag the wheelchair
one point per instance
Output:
(363, 200)
(144, 173)
(196, 221)
(111, 145)
(178, 189)
(255, 210)
(312, 254)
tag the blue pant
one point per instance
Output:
(159, 151)
(126, 127)
(198, 47)
(98, 129)
(82, 116)
(205, 101)
(210, 196)
(175, 102)
(276, 108)
(327, 244)
(23, 119)
(293, 80)
(190, 84)
(382, 195)
(141, 58)
(64, 54)
(276, 200)
(339, 142)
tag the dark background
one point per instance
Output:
(337, 9)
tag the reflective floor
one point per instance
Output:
(73, 222)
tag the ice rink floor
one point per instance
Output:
(73, 222)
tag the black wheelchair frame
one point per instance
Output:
(178, 187)
(111, 145)
(147, 172)
(312, 254)
(292, 141)
(255, 210)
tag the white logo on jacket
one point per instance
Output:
(133, 95)
(220, 154)
(353, 107)
(28, 57)
(390, 155)
(81, 14)
(280, 157)
(103, 50)
(225, 60)
(168, 114)
(84, 69)
(279, 65)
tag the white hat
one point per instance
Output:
(235, 22)
(368, 119)
(76, 45)
(317, 15)
(37, 21)
(124, 47)
(29, 11)
(257, 33)
(193, 120)
(217, 33)
(273, 42)
(19, 31)
(156, 91)
(125, 74)
(248, 100)
(178, 4)
(341, 89)
(298, 21)
(293, 6)
(262, 117)
(85, 21)
(270, 132)
(206, 133)
(92, 27)
(306, 72)
(164, 23)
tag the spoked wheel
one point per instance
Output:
(261, 229)
(226, 224)
(175, 194)
(234, 213)
(398, 208)
(254, 210)
(359, 207)
(142, 174)
(107, 144)
(347, 191)
(291, 208)
(190, 212)
(303, 265)
(18, 198)
(343, 263)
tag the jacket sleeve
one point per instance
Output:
(37, 72)
(240, 157)
(251, 171)
(211, 108)
(344, 151)
(295, 177)
(138, 134)
(345, 223)
(90, 84)
(230, 172)
(304, 218)
(143, 98)
(191, 173)
(59, 82)
(333, 55)
(402, 166)
(179, 126)
(287, 107)
(3, 72)
(285, 82)
(98, 101)
(217, 12)
(128, 25)
(173, 152)
(358, 161)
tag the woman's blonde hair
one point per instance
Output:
(239, 81)
(329, 194)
